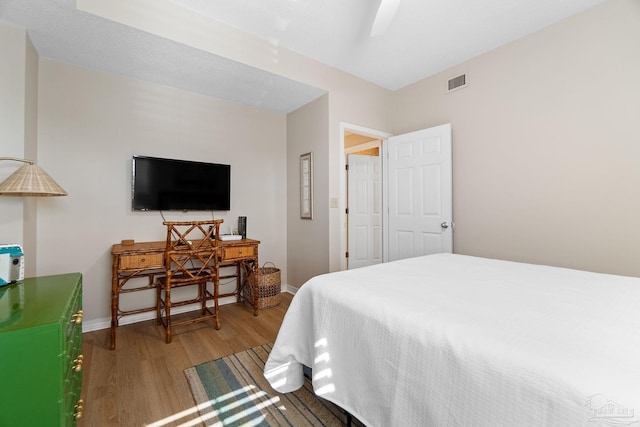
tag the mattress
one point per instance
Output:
(450, 339)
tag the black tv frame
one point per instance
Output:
(163, 184)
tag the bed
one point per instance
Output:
(450, 339)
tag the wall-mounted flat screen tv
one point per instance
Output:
(170, 184)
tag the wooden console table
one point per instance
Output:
(146, 260)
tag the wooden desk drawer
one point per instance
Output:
(141, 261)
(238, 252)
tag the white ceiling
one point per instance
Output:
(424, 38)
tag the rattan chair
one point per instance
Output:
(190, 259)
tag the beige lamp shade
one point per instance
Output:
(30, 180)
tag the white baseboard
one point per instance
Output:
(291, 289)
(105, 323)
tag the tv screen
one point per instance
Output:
(168, 184)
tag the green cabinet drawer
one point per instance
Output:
(41, 345)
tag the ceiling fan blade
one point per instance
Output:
(386, 12)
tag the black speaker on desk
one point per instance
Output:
(242, 226)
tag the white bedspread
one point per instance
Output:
(448, 339)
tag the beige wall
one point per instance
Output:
(12, 125)
(90, 125)
(354, 103)
(18, 135)
(546, 145)
(308, 240)
(30, 232)
(318, 125)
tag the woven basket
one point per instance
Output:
(268, 286)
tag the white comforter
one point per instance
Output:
(449, 339)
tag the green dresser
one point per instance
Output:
(41, 351)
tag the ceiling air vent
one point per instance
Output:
(457, 82)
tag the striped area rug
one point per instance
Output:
(231, 391)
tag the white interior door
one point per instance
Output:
(419, 193)
(364, 199)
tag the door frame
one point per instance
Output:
(342, 201)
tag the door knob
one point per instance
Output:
(444, 225)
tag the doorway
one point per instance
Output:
(363, 215)
(415, 190)
(363, 142)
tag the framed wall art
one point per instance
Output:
(306, 186)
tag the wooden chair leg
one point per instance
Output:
(202, 295)
(216, 308)
(158, 305)
(167, 312)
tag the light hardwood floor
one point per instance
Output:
(142, 382)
